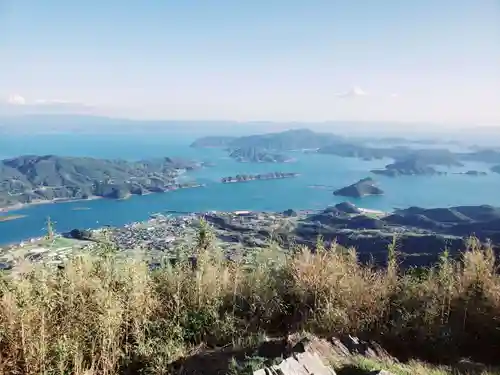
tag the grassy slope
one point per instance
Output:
(105, 315)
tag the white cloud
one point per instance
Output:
(353, 92)
(16, 103)
(16, 99)
(394, 95)
(53, 101)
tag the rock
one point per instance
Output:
(4, 266)
(468, 367)
(362, 188)
(80, 234)
(38, 250)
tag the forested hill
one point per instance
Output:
(288, 140)
(27, 178)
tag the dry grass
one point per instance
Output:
(363, 366)
(105, 315)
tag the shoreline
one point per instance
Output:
(20, 206)
(232, 180)
(196, 213)
(373, 212)
(6, 218)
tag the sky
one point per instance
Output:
(276, 60)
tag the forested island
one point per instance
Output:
(295, 139)
(333, 144)
(255, 177)
(257, 155)
(363, 188)
(37, 179)
(409, 167)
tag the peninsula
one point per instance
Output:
(256, 177)
(11, 217)
(50, 178)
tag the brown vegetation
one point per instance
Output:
(104, 315)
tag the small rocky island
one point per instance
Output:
(256, 155)
(256, 177)
(364, 187)
(408, 167)
(496, 169)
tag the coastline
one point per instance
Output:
(373, 212)
(20, 206)
(197, 213)
(11, 217)
(232, 180)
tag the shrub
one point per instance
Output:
(102, 314)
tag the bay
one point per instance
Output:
(328, 171)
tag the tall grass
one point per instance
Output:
(105, 315)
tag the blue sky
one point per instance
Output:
(425, 60)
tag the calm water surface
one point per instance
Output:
(275, 195)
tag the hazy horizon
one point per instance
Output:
(285, 61)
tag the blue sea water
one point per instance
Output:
(275, 195)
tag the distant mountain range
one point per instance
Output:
(19, 119)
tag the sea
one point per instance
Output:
(319, 176)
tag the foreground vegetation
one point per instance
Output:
(105, 315)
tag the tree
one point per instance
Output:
(205, 236)
(50, 229)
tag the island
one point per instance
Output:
(257, 177)
(256, 155)
(410, 167)
(362, 188)
(473, 173)
(33, 179)
(327, 143)
(496, 169)
(294, 139)
(484, 155)
(213, 142)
